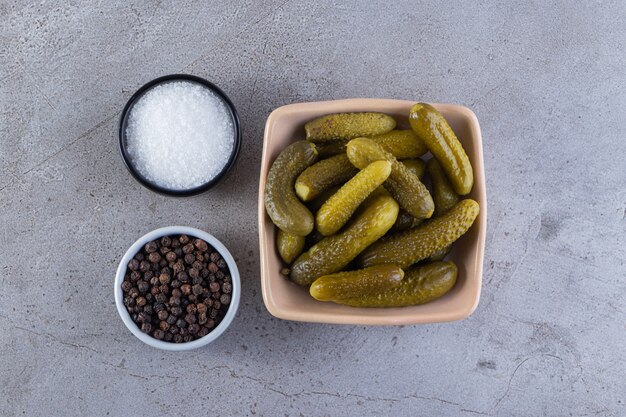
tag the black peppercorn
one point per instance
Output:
(176, 310)
(171, 319)
(143, 287)
(227, 287)
(133, 265)
(163, 315)
(180, 323)
(225, 299)
(164, 278)
(215, 257)
(178, 338)
(126, 286)
(146, 327)
(214, 287)
(184, 239)
(158, 334)
(213, 268)
(190, 258)
(194, 273)
(182, 276)
(170, 256)
(151, 247)
(154, 257)
(141, 301)
(193, 328)
(186, 289)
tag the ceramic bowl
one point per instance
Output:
(194, 233)
(289, 301)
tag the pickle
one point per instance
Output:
(333, 253)
(420, 285)
(403, 144)
(281, 202)
(348, 126)
(402, 184)
(289, 246)
(338, 209)
(444, 195)
(431, 127)
(356, 283)
(413, 245)
(416, 166)
(331, 148)
(323, 175)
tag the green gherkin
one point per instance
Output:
(348, 126)
(335, 252)
(323, 175)
(403, 144)
(338, 209)
(444, 196)
(356, 283)
(289, 246)
(420, 285)
(413, 245)
(433, 129)
(402, 184)
(281, 202)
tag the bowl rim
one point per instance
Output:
(122, 136)
(168, 231)
(318, 317)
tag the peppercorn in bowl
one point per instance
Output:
(177, 288)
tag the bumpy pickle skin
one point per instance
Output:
(323, 175)
(356, 283)
(281, 202)
(416, 244)
(347, 126)
(402, 184)
(420, 285)
(416, 166)
(403, 144)
(289, 246)
(433, 129)
(338, 209)
(373, 219)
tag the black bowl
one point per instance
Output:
(155, 187)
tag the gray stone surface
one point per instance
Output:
(547, 82)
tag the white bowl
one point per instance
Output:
(168, 231)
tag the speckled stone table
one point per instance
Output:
(548, 85)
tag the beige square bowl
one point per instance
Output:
(289, 301)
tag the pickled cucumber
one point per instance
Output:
(416, 166)
(431, 127)
(289, 246)
(403, 144)
(420, 285)
(402, 184)
(338, 209)
(333, 253)
(413, 245)
(444, 195)
(323, 175)
(348, 126)
(331, 148)
(356, 283)
(281, 202)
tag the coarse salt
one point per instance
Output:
(180, 135)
